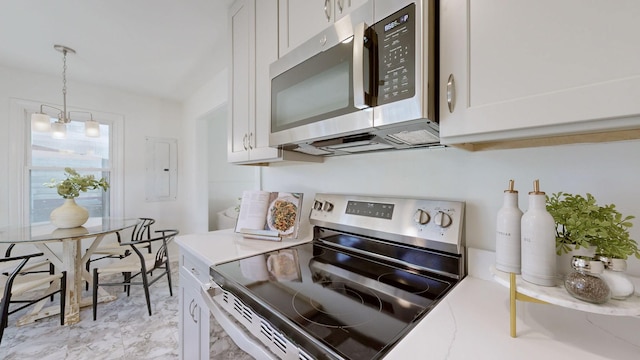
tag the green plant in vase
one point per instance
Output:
(581, 222)
(70, 215)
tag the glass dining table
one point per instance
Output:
(70, 259)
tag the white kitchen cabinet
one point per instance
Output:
(254, 46)
(301, 20)
(538, 69)
(194, 314)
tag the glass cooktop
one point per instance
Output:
(351, 306)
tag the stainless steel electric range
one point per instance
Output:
(376, 267)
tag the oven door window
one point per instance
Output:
(316, 89)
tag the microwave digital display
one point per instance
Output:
(399, 21)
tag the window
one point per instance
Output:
(47, 157)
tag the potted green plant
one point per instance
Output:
(70, 214)
(582, 223)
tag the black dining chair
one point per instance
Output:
(139, 264)
(114, 251)
(35, 265)
(15, 287)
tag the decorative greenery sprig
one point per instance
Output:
(74, 183)
(583, 223)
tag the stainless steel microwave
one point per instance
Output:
(367, 83)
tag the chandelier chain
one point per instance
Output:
(64, 73)
(64, 86)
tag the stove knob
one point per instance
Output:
(317, 205)
(327, 206)
(421, 217)
(443, 219)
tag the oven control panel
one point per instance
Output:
(429, 223)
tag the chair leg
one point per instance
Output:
(127, 280)
(63, 296)
(87, 266)
(95, 293)
(145, 283)
(52, 270)
(4, 314)
(168, 269)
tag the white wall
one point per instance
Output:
(143, 116)
(226, 181)
(609, 171)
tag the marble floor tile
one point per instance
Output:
(123, 330)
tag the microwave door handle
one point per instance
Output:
(358, 67)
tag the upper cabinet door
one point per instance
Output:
(299, 21)
(524, 69)
(254, 46)
(242, 79)
(343, 7)
(266, 37)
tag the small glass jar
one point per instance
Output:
(585, 283)
(620, 285)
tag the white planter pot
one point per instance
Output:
(69, 215)
(563, 261)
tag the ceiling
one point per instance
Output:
(162, 48)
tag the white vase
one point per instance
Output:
(563, 261)
(69, 215)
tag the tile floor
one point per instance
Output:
(123, 330)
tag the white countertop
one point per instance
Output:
(220, 246)
(472, 321)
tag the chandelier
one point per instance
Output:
(41, 121)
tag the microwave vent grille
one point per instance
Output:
(414, 138)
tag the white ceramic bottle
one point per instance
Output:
(538, 241)
(508, 232)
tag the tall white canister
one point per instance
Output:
(508, 232)
(538, 241)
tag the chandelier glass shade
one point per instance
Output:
(92, 128)
(41, 121)
(58, 130)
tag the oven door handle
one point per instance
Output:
(359, 97)
(245, 341)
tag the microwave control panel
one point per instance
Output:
(396, 56)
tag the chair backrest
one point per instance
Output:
(142, 230)
(162, 255)
(11, 276)
(8, 252)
